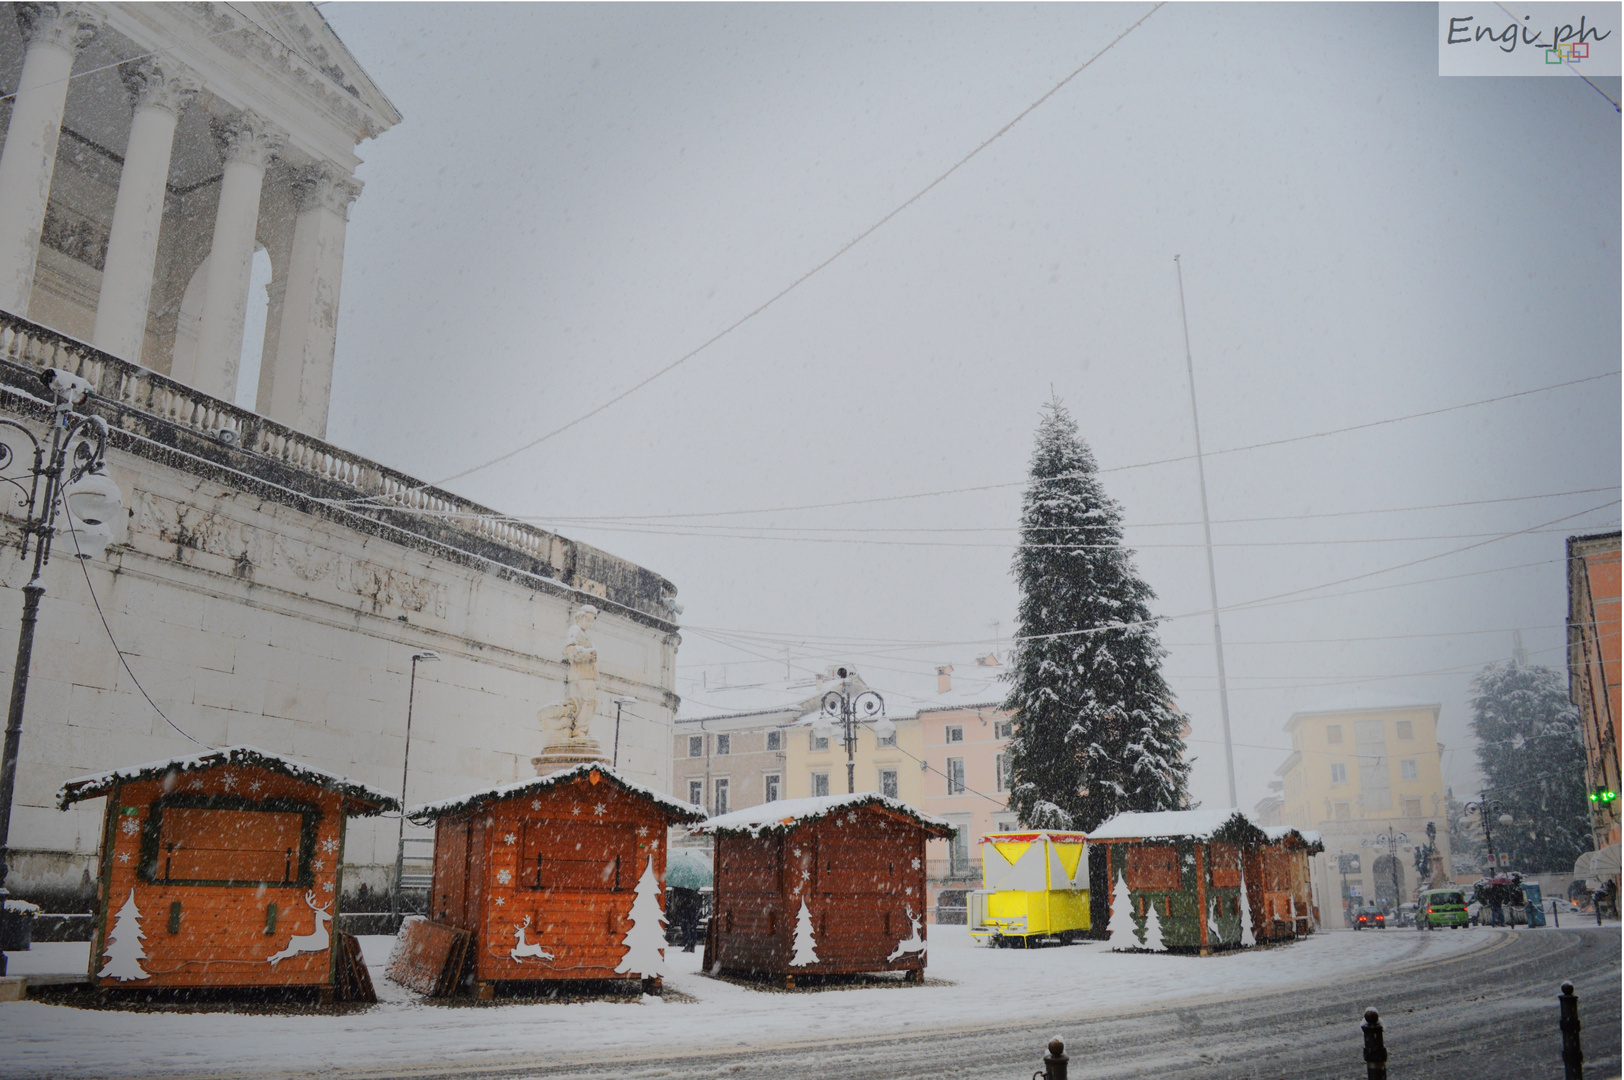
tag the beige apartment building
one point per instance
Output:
(1370, 781)
(966, 780)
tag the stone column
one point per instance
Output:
(295, 384)
(250, 144)
(160, 91)
(55, 33)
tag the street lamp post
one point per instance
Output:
(1393, 839)
(405, 764)
(848, 710)
(1485, 808)
(619, 702)
(68, 471)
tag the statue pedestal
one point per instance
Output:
(562, 755)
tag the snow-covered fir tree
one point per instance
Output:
(806, 943)
(1532, 754)
(1095, 730)
(645, 938)
(1124, 931)
(124, 953)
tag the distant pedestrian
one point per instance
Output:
(1597, 900)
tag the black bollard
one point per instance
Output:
(1054, 1062)
(1555, 918)
(1573, 1058)
(1375, 1049)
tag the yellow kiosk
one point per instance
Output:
(1035, 886)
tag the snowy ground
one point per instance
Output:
(987, 986)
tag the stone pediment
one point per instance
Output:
(303, 27)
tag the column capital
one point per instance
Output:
(68, 26)
(248, 137)
(160, 84)
(326, 185)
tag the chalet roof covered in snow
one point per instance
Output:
(366, 799)
(1228, 825)
(674, 808)
(786, 814)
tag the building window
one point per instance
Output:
(775, 740)
(1001, 762)
(772, 788)
(1003, 729)
(1008, 825)
(955, 776)
(696, 746)
(1406, 730)
(719, 788)
(889, 740)
(888, 783)
(1333, 733)
(1339, 773)
(1340, 811)
(1412, 808)
(955, 733)
(820, 783)
(819, 742)
(958, 853)
(696, 792)
(724, 744)
(1407, 770)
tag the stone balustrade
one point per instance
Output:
(148, 407)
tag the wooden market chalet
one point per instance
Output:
(1214, 877)
(225, 870)
(547, 878)
(828, 885)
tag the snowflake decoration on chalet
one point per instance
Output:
(510, 839)
(327, 886)
(330, 844)
(806, 875)
(255, 785)
(575, 810)
(124, 856)
(600, 809)
(916, 864)
(130, 826)
(908, 890)
(228, 781)
(851, 815)
(503, 877)
(535, 804)
(797, 852)
(501, 901)
(196, 784)
(317, 864)
(642, 830)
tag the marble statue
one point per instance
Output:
(567, 723)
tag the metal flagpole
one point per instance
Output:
(1206, 525)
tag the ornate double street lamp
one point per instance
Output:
(1486, 808)
(1393, 839)
(65, 476)
(846, 709)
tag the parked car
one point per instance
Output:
(1441, 907)
(1370, 915)
(1406, 915)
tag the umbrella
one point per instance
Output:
(685, 870)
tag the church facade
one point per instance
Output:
(269, 588)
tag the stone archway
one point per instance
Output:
(1382, 872)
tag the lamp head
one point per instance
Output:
(426, 654)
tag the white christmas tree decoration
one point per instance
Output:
(806, 945)
(1212, 921)
(1124, 932)
(1248, 939)
(1153, 930)
(1292, 900)
(913, 943)
(645, 940)
(124, 952)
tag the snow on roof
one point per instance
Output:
(1206, 824)
(786, 814)
(674, 808)
(373, 800)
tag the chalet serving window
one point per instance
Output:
(724, 744)
(771, 787)
(888, 783)
(955, 776)
(227, 840)
(775, 740)
(1154, 866)
(696, 746)
(1226, 866)
(576, 855)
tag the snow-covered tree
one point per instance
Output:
(1248, 938)
(1532, 755)
(1123, 929)
(1095, 729)
(1153, 929)
(124, 953)
(806, 943)
(645, 938)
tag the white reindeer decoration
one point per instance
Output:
(523, 949)
(913, 943)
(315, 941)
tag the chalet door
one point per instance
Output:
(451, 872)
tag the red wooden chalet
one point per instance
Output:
(555, 877)
(828, 885)
(222, 869)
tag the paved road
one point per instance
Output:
(1489, 1014)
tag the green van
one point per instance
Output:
(1441, 907)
